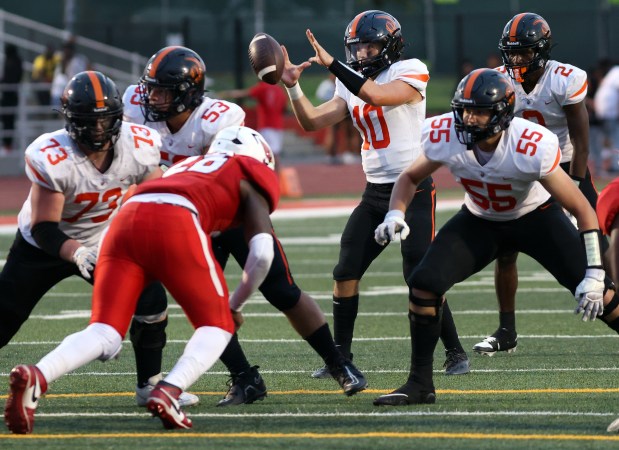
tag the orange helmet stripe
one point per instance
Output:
(580, 91)
(468, 88)
(514, 28)
(353, 26)
(98, 90)
(162, 54)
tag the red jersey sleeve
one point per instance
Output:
(262, 178)
(608, 206)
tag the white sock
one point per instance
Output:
(201, 352)
(97, 341)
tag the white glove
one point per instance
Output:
(85, 259)
(393, 223)
(590, 295)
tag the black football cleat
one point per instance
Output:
(348, 376)
(245, 388)
(406, 395)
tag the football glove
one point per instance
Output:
(85, 259)
(590, 295)
(393, 223)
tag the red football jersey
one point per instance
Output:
(271, 102)
(212, 183)
(608, 206)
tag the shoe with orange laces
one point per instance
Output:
(26, 385)
(163, 403)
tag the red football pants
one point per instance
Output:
(148, 242)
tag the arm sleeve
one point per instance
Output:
(255, 270)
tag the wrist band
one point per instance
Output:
(593, 248)
(349, 78)
(295, 92)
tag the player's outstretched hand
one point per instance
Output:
(292, 72)
(322, 56)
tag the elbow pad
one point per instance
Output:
(255, 270)
(49, 237)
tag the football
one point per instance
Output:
(266, 58)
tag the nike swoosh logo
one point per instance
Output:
(172, 401)
(353, 378)
(35, 397)
(547, 102)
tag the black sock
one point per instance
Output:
(507, 320)
(234, 358)
(425, 331)
(147, 364)
(148, 341)
(449, 334)
(322, 343)
(344, 315)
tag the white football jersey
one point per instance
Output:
(391, 134)
(507, 186)
(91, 198)
(560, 85)
(197, 133)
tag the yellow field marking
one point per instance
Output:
(368, 391)
(369, 435)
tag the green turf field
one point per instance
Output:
(559, 390)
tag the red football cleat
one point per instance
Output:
(163, 403)
(26, 385)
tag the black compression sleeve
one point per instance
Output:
(49, 237)
(349, 78)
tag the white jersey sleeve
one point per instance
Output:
(560, 85)
(507, 186)
(196, 135)
(132, 112)
(391, 134)
(91, 197)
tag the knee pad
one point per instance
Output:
(110, 339)
(148, 335)
(429, 280)
(152, 301)
(280, 293)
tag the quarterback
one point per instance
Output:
(385, 96)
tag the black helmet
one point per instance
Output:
(178, 70)
(525, 31)
(378, 27)
(483, 89)
(88, 99)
